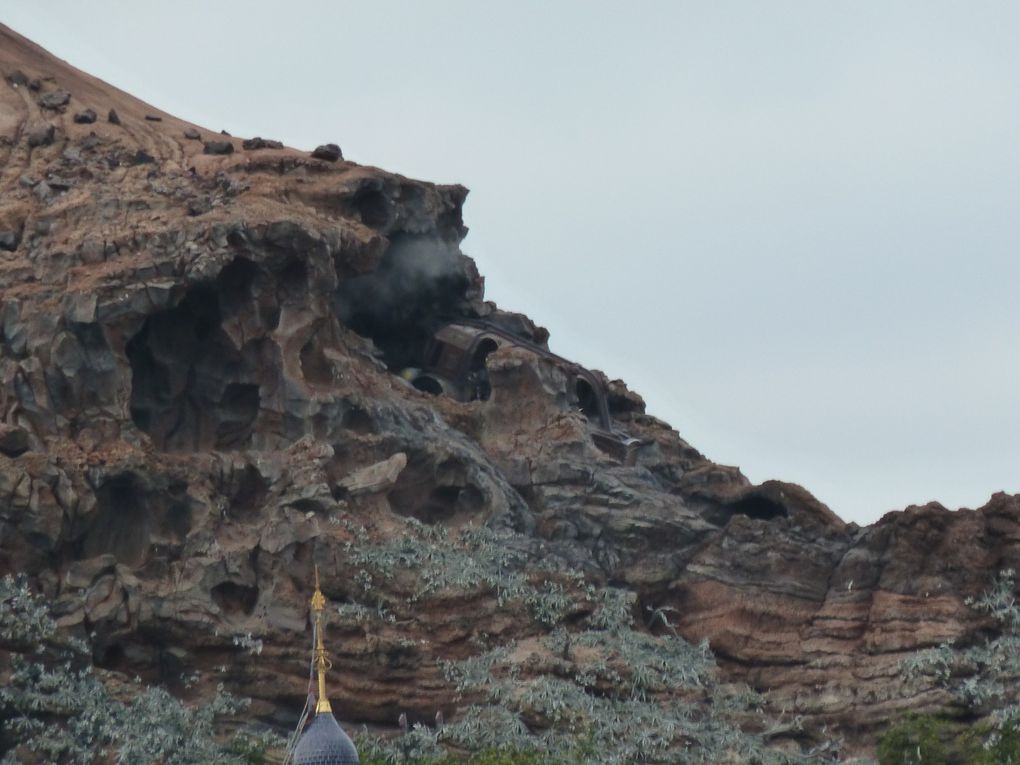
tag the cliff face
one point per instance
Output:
(200, 398)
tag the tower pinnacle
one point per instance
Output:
(322, 663)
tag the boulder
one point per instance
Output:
(218, 147)
(112, 117)
(375, 478)
(42, 136)
(254, 144)
(86, 117)
(329, 152)
(56, 100)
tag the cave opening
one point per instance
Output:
(372, 207)
(123, 522)
(235, 599)
(434, 493)
(248, 294)
(421, 283)
(234, 284)
(357, 419)
(176, 521)
(758, 507)
(111, 657)
(316, 367)
(191, 387)
(428, 384)
(587, 399)
(481, 387)
(249, 492)
(292, 281)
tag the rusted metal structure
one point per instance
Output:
(455, 366)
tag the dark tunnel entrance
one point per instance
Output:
(587, 399)
(479, 383)
(428, 384)
(421, 283)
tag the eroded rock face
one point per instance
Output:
(198, 406)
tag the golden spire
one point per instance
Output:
(322, 664)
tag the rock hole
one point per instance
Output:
(292, 281)
(478, 381)
(358, 420)
(315, 367)
(249, 493)
(191, 388)
(111, 657)
(123, 523)
(587, 399)
(759, 508)
(235, 599)
(416, 494)
(176, 522)
(428, 384)
(372, 206)
(420, 284)
(234, 284)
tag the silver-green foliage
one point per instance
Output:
(56, 707)
(473, 559)
(602, 692)
(24, 620)
(982, 677)
(633, 697)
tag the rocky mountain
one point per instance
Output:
(206, 363)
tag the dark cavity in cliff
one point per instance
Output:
(420, 284)
(195, 368)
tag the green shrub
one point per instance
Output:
(996, 746)
(930, 740)
(919, 740)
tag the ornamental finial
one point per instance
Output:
(322, 664)
(318, 599)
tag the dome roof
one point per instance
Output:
(325, 743)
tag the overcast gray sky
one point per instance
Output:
(791, 226)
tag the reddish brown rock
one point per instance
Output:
(202, 351)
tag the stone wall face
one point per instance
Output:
(199, 399)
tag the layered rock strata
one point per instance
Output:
(199, 399)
